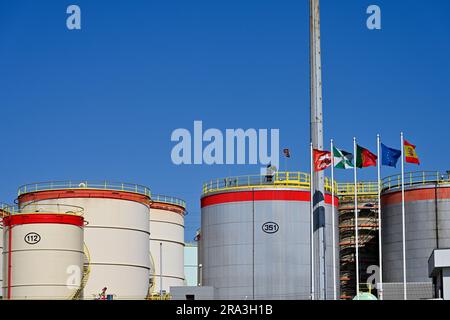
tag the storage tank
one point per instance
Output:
(2, 214)
(167, 240)
(116, 234)
(43, 255)
(427, 221)
(255, 237)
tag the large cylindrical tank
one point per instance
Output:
(255, 238)
(2, 214)
(167, 240)
(43, 254)
(427, 223)
(116, 234)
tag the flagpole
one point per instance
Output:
(333, 214)
(380, 288)
(311, 184)
(356, 220)
(403, 218)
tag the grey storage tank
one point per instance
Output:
(427, 221)
(255, 237)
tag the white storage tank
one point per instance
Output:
(43, 255)
(2, 213)
(167, 240)
(116, 234)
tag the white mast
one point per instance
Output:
(316, 127)
(311, 186)
(403, 218)
(333, 210)
(356, 221)
(380, 288)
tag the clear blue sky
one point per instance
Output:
(101, 103)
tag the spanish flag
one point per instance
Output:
(410, 153)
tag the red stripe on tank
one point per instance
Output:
(416, 195)
(19, 219)
(261, 195)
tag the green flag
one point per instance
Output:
(342, 159)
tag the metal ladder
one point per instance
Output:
(78, 295)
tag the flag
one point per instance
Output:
(342, 159)
(410, 153)
(389, 156)
(322, 159)
(365, 158)
(287, 153)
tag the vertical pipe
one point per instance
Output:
(160, 271)
(436, 213)
(311, 218)
(9, 260)
(380, 253)
(356, 221)
(333, 213)
(403, 218)
(200, 275)
(253, 243)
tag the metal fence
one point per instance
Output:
(84, 184)
(169, 200)
(414, 179)
(41, 208)
(299, 180)
(278, 179)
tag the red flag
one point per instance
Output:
(410, 153)
(365, 158)
(322, 159)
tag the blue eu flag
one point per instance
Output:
(389, 156)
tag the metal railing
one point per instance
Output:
(41, 208)
(169, 200)
(3, 209)
(84, 184)
(363, 188)
(299, 180)
(78, 295)
(414, 179)
(278, 179)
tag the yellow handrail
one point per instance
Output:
(278, 179)
(415, 178)
(368, 188)
(299, 180)
(86, 272)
